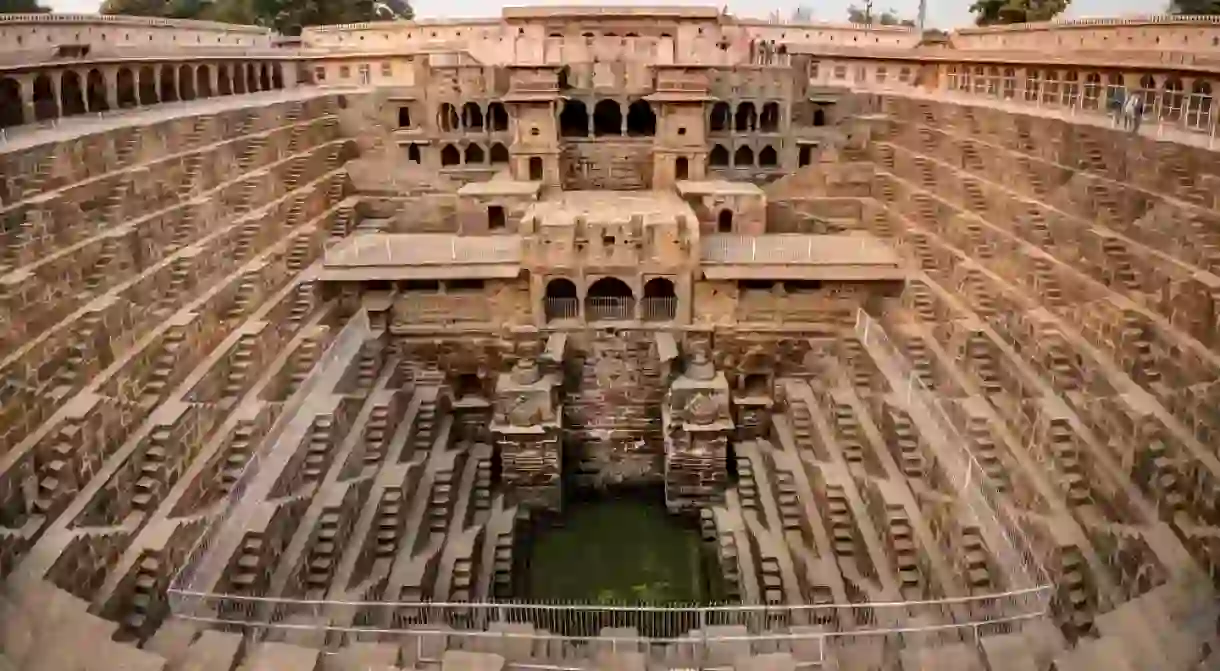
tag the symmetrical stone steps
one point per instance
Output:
(241, 362)
(304, 359)
(839, 520)
(389, 522)
(323, 553)
(502, 571)
(153, 478)
(847, 433)
(440, 502)
(237, 453)
(376, 434)
(320, 447)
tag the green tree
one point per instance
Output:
(1194, 7)
(22, 7)
(991, 12)
(865, 15)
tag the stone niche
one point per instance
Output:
(494, 207)
(726, 207)
(526, 426)
(697, 422)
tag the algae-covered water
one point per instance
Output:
(617, 550)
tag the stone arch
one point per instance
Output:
(499, 153)
(1172, 99)
(1199, 105)
(12, 112)
(472, 116)
(768, 121)
(660, 300)
(224, 84)
(203, 81)
(71, 94)
(147, 85)
(450, 155)
(718, 156)
(609, 298)
(744, 156)
(724, 221)
(277, 76)
(641, 120)
(186, 82)
(45, 105)
(1092, 90)
(474, 154)
(168, 87)
(560, 299)
(497, 117)
(126, 88)
(447, 118)
(95, 91)
(681, 168)
(721, 118)
(574, 119)
(768, 157)
(264, 78)
(239, 79)
(747, 117)
(607, 118)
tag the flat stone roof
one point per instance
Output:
(401, 256)
(655, 207)
(502, 187)
(798, 256)
(717, 186)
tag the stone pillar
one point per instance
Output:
(111, 75)
(57, 89)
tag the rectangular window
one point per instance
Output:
(387, 69)
(345, 71)
(319, 74)
(495, 217)
(840, 72)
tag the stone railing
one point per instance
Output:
(1092, 22)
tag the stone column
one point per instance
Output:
(214, 78)
(111, 76)
(26, 81)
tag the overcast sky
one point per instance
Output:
(941, 14)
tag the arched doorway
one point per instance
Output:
(768, 157)
(239, 79)
(681, 168)
(447, 118)
(499, 153)
(609, 298)
(264, 78)
(724, 221)
(71, 94)
(203, 81)
(224, 84)
(718, 157)
(148, 86)
(450, 155)
(560, 300)
(721, 117)
(472, 117)
(413, 153)
(45, 106)
(768, 122)
(574, 119)
(536, 168)
(474, 154)
(277, 76)
(95, 91)
(660, 302)
(126, 86)
(607, 118)
(747, 118)
(186, 82)
(641, 120)
(497, 118)
(169, 91)
(819, 117)
(12, 112)
(743, 157)
(251, 78)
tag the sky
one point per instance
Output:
(943, 14)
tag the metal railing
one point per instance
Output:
(1003, 533)
(609, 308)
(780, 247)
(687, 637)
(561, 308)
(658, 308)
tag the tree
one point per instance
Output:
(1194, 7)
(22, 7)
(865, 15)
(991, 12)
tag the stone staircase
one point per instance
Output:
(389, 523)
(376, 434)
(304, 359)
(904, 552)
(323, 553)
(904, 443)
(440, 502)
(237, 453)
(153, 473)
(847, 433)
(240, 364)
(163, 367)
(144, 604)
(839, 520)
(303, 298)
(320, 441)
